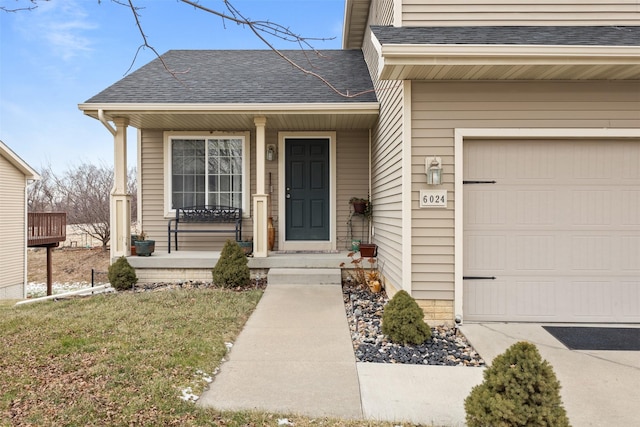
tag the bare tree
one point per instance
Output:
(41, 194)
(84, 193)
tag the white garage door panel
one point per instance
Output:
(559, 231)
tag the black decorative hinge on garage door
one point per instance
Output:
(478, 277)
(479, 182)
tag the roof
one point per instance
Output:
(243, 77)
(16, 161)
(511, 35)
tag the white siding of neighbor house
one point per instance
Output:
(12, 230)
(439, 108)
(387, 158)
(514, 12)
(352, 170)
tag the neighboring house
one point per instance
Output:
(533, 113)
(15, 175)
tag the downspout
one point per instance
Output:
(104, 121)
(371, 229)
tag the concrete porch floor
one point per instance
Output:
(197, 265)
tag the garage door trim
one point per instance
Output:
(504, 133)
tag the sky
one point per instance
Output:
(64, 52)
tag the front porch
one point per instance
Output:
(197, 265)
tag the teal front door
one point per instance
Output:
(307, 189)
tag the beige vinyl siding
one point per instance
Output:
(352, 163)
(12, 230)
(512, 12)
(439, 108)
(386, 159)
(153, 216)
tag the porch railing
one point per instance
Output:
(46, 228)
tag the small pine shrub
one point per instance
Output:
(403, 320)
(232, 269)
(121, 275)
(519, 389)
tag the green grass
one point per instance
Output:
(123, 359)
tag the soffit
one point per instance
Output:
(356, 15)
(206, 119)
(495, 62)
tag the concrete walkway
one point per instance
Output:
(295, 356)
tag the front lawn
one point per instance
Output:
(123, 359)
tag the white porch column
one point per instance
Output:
(120, 199)
(260, 199)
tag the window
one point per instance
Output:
(208, 171)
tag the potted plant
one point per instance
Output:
(368, 250)
(144, 247)
(359, 205)
(246, 245)
(134, 239)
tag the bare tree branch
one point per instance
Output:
(34, 5)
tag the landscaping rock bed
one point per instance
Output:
(447, 347)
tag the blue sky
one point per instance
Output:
(66, 51)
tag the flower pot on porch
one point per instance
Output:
(368, 250)
(247, 247)
(145, 247)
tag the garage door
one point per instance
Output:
(556, 238)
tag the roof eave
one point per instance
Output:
(18, 163)
(397, 59)
(328, 108)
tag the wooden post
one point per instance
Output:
(49, 271)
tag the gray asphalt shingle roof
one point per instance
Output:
(511, 35)
(245, 77)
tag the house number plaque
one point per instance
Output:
(433, 198)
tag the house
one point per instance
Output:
(15, 175)
(500, 150)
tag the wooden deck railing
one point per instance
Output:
(46, 228)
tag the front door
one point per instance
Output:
(307, 189)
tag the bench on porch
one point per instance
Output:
(205, 215)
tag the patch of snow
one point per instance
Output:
(187, 395)
(35, 290)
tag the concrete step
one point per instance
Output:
(303, 276)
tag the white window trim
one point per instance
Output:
(246, 165)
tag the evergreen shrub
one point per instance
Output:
(519, 389)
(121, 275)
(403, 320)
(232, 269)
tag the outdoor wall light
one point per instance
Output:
(433, 169)
(271, 152)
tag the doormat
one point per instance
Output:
(595, 338)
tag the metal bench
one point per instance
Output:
(205, 215)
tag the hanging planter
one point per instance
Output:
(359, 205)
